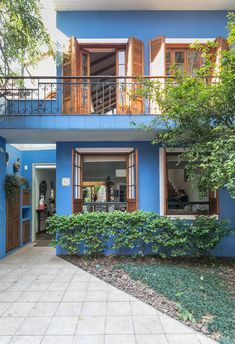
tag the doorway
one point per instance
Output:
(43, 201)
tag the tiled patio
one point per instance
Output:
(46, 300)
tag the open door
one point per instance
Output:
(77, 182)
(71, 87)
(157, 52)
(135, 68)
(132, 181)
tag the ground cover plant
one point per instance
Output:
(198, 291)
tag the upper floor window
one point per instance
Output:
(185, 60)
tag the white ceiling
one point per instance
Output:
(72, 5)
(26, 147)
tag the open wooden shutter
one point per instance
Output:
(132, 181)
(214, 202)
(157, 65)
(157, 56)
(222, 45)
(77, 182)
(135, 67)
(71, 67)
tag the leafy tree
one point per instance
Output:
(199, 115)
(22, 35)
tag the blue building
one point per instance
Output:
(103, 161)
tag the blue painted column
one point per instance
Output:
(2, 197)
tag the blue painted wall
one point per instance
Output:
(33, 157)
(148, 184)
(2, 197)
(144, 25)
(26, 158)
(14, 154)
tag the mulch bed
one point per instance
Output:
(105, 269)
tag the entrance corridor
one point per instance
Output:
(46, 300)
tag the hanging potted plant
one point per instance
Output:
(13, 183)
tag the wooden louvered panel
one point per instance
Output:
(13, 222)
(135, 67)
(71, 67)
(132, 181)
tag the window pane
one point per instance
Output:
(121, 70)
(168, 57)
(121, 57)
(193, 57)
(179, 57)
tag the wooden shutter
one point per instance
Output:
(135, 67)
(214, 202)
(71, 67)
(157, 65)
(132, 181)
(157, 56)
(77, 182)
(222, 45)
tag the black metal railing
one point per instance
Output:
(101, 95)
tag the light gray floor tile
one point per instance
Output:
(9, 325)
(34, 326)
(171, 325)
(141, 308)
(26, 340)
(94, 308)
(74, 296)
(147, 324)
(97, 285)
(29, 296)
(51, 296)
(90, 325)
(117, 296)
(76, 286)
(62, 326)
(57, 340)
(19, 309)
(69, 309)
(119, 325)
(151, 339)
(44, 309)
(204, 339)
(3, 307)
(177, 338)
(120, 339)
(5, 339)
(118, 308)
(88, 339)
(9, 296)
(96, 296)
(58, 286)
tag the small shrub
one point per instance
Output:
(90, 233)
(13, 184)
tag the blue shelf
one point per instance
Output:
(26, 206)
(25, 219)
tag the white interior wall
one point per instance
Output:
(43, 174)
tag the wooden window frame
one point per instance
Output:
(180, 47)
(165, 208)
(125, 154)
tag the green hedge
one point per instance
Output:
(92, 233)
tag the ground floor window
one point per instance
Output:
(181, 194)
(105, 181)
